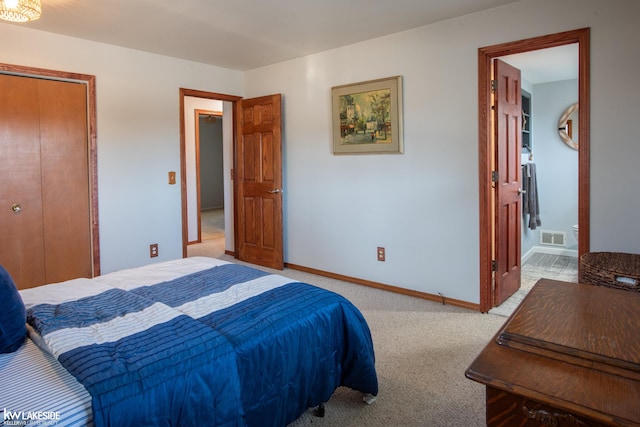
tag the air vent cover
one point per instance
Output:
(553, 238)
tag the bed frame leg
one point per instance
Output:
(368, 398)
(319, 412)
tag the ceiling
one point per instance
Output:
(243, 34)
(547, 65)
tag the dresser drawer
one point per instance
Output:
(506, 409)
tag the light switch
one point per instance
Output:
(172, 178)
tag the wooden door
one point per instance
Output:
(65, 176)
(508, 120)
(21, 228)
(44, 201)
(258, 176)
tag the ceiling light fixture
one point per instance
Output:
(20, 10)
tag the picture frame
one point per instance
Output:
(367, 117)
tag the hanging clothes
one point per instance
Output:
(530, 205)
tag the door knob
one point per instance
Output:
(276, 191)
(521, 191)
(16, 208)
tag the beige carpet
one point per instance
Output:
(212, 224)
(212, 231)
(422, 351)
(211, 248)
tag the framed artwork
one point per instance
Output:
(367, 117)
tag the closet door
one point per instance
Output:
(65, 180)
(45, 211)
(21, 228)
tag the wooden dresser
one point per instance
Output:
(568, 356)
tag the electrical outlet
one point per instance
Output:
(381, 255)
(153, 250)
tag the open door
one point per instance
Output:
(486, 155)
(507, 179)
(258, 178)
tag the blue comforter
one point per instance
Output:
(142, 362)
(246, 348)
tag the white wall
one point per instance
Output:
(138, 124)
(423, 205)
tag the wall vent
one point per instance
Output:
(553, 238)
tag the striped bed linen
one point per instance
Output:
(33, 381)
(293, 343)
(142, 361)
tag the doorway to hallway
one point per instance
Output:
(197, 108)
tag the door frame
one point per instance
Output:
(92, 152)
(485, 152)
(183, 157)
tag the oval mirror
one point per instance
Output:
(568, 126)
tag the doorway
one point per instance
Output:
(548, 173)
(209, 144)
(253, 161)
(486, 154)
(195, 107)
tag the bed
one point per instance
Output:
(190, 342)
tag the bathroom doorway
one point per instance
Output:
(488, 214)
(549, 170)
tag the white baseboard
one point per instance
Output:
(550, 251)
